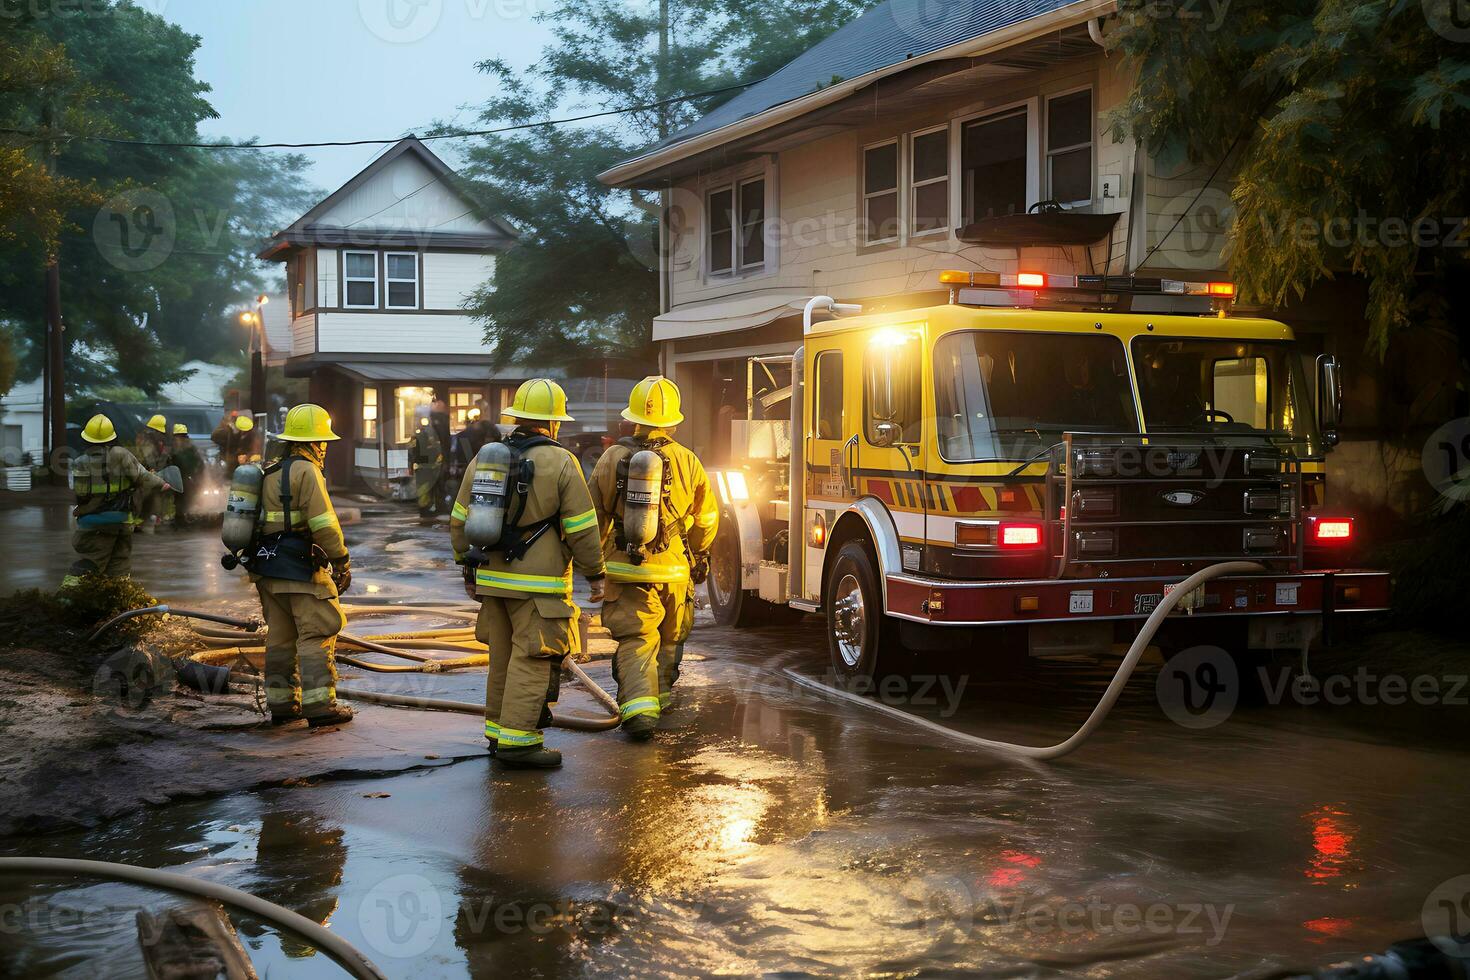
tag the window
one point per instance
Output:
(360, 280)
(1009, 395)
(369, 413)
(721, 230)
(402, 275)
(993, 165)
(880, 193)
(461, 400)
(753, 223)
(929, 166)
(408, 402)
(1069, 148)
(893, 393)
(829, 395)
(1242, 388)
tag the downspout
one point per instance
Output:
(1094, 31)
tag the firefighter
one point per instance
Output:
(106, 479)
(235, 436)
(429, 455)
(650, 603)
(524, 585)
(152, 451)
(186, 458)
(467, 441)
(299, 569)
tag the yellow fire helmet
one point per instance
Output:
(158, 423)
(308, 423)
(540, 399)
(244, 423)
(180, 429)
(473, 415)
(654, 402)
(99, 429)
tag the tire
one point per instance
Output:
(728, 602)
(861, 640)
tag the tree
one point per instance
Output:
(1343, 121)
(164, 244)
(583, 281)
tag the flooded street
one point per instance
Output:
(768, 830)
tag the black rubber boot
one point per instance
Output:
(528, 757)
(640, 727)
(338, 714)
(494, 745)
(278, 720)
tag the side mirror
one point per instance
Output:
(1329, 398)
(886, 434)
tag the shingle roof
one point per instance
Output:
(891, 32)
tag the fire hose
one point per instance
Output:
(243, 638)
(1104, 706)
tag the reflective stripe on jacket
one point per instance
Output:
(101, 477)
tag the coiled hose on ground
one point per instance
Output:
(350, 958)
(1099, 713)
(242, 638)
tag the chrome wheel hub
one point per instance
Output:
(848, 622)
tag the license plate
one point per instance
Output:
(1282, 634)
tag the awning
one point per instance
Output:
(725, 316)
(416, 369)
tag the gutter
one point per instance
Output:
(1027, 30)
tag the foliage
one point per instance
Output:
(1345, 118)
(58, 619)
(582, 282)
(155, 243)
(7, 362)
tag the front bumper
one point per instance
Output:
(945, 602)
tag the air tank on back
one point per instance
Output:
(242, 508)
(489, 494)
(641, 499)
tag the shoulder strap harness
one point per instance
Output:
(661, 541)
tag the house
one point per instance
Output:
(919, 137)
(22, 422)
(379, 274)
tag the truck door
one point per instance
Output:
(891, 457)
(829, 457)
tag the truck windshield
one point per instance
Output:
(1009, 395)
(1224, 386)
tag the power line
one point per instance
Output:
(462, 134)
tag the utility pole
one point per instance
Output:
(257, 360)
(55, 341)
(665, 239)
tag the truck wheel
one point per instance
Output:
(860, 638)
(730, 604)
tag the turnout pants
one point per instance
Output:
(300, 677)
(108, 551)
(650, 624)
(528, 636)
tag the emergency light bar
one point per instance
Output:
(1096, 284)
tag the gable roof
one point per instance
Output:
(316, 226)
(893, 36)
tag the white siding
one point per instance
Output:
(450, 277)
(388, 332)
(404, 196)
(326, 277)
(303, 335)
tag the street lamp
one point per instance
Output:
(255, 320)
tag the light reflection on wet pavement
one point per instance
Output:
(769, 831)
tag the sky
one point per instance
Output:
(311, 70)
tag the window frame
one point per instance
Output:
(914, 185)
(870, 419)
(1031, 108)
(729, 271)
(819, 401)
(739, 265)
(901, 218)
(1048, 151)
(371, 422)
(347, 303)
(388, 280)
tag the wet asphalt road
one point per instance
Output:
(769, 831)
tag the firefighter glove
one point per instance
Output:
(342, 574)
(699, 568)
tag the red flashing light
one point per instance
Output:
(1330, 530)
(1031, 280)
(1020, 535)
(1224, 289)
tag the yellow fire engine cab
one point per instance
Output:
(1041, 457)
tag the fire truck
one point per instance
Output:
(1039, 460)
